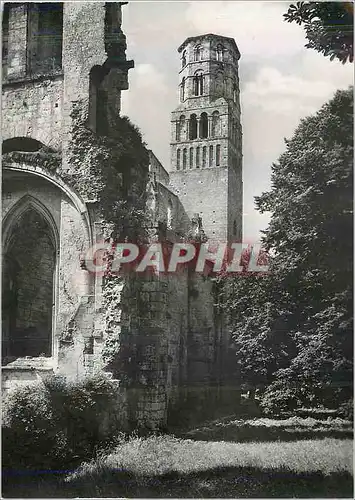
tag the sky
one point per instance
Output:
(281, 81)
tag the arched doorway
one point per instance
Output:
(29, 265)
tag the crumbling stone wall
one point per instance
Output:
(155, 333)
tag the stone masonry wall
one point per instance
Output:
(34, 110)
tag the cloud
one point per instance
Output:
(148, 103)
(282, 94)
(281, 80)
(258, 27)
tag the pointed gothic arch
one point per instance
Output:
(30, 251)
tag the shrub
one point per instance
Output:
(279, 399)
(346, 409)
(57, 423)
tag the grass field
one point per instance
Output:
(166, 466)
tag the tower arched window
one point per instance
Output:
(215, 124)
(184, 159)
(182, 128)
(183, 61)
(198, 53)
(218, 155)
(235, 93)
(219, 52)
(178, 131)
(193, 127)
(178, 154)
(210, 156)
(198, 83)
(182, 90)
(191, 159)
(198, 157)
(203, 126)
(204, 156)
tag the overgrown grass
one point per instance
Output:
(157, 455)
(263, 463)
(166, 466)
(267, 429)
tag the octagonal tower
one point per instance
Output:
(206, 141)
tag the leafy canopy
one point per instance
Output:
(329, 27)
(293, 328)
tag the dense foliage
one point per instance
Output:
(329, 27)
(58, 423)
(110, 170)
(293, 328)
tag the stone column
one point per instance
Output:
(210, 126)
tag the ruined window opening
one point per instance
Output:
(191, 157)
(45, 37)
(235, 94)
(178, 159)
(5, 38)
(193, 127)
(235, 228)
(184, 159)
(198, 157)
(211, 156)
(28, 287)
(203, 126)
(218, 155)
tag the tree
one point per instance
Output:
(329, 27)
(310, 232)
(293, 328)
(261, 341)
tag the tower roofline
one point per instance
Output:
(209, 35)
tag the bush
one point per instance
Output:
(346, 409)
(279, 399)
(283, 398)
(57, 423)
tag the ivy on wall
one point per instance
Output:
(112, 171)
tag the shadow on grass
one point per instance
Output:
(228, 482)
(253, 433)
